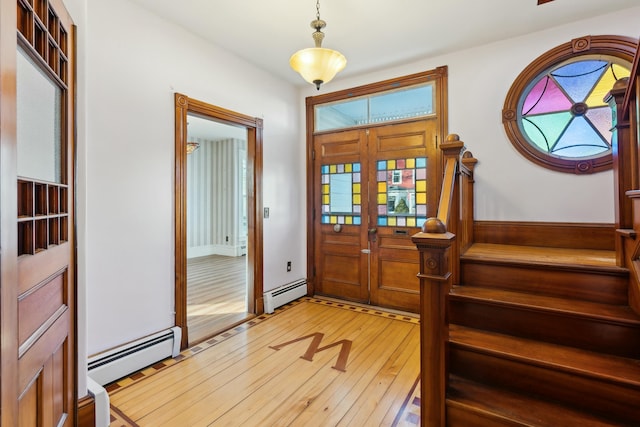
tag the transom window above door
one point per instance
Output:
(388, 106)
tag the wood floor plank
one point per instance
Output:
(384, 395)
(237, 374)
(280, 400)
(256, 386)
(172, 383)
(241, 380)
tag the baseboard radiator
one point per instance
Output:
(284, 294)
(119, 362)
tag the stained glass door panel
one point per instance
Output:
(403, 174)
(340, 222)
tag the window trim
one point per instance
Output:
(617, 46)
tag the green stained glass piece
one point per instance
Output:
(544, 130)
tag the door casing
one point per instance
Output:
(183, 106)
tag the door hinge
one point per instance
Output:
(436, 140)
(366, 132)
(313, 154)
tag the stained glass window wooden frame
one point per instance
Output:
(580, 115)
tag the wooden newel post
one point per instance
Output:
(433, 243)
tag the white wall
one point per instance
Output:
(509, 187)
(135, 62)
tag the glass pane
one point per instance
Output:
(415, 101)
(39, 103)
(545, 97)
(341, 194)
(564, 114)
(579, 77)
(402, 192)
(341, 114)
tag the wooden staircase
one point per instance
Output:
(541, 337)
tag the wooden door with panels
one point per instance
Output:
(376, 186)
(39, 379)
(374, 171)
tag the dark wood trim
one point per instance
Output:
(441, 102)
(546, 234)
(86, 412)
(184, 105)
(8, 217)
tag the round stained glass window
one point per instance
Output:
(555, 113)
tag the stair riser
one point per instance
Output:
(605, 288)
(458, 416)
(581, 392)
(558, 328)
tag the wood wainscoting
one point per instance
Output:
(86, 412)
(546, 234)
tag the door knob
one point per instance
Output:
(373, 230)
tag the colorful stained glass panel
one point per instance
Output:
(402, 192)
(564, 114)
(341, 194)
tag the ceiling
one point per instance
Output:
(371, 34)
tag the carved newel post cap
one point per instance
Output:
(434, 225)
(621, 83)
(453, 137)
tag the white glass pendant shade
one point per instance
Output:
(318, 65)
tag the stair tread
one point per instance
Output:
(527, 411)
(606, 312)
(602, 259)
(577, 361)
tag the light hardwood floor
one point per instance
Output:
(280, 370)
(216, 295)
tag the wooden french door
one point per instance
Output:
(38, 278)
(375, 187)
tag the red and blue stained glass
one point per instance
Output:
(402, 192)
(564, 113)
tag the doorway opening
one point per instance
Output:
(218, 244)
(217, 288)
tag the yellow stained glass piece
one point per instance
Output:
(348, 220)
(392, 221)
(334, 219)
(421, 198)
(421, 186)
(391, 164)
(325, 199)
(356, 199)
(382, 198)
(325, 188)
(411, 222)
(596, 99)
(411, 163)
(382, 187)
(356, 188)
(347, 167)
(333, 168)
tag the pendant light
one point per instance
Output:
(318, 65)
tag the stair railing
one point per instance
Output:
(623, 100)
(440, 242)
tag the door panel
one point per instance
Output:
(363, 229)
(341, 266)
(405, 174)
